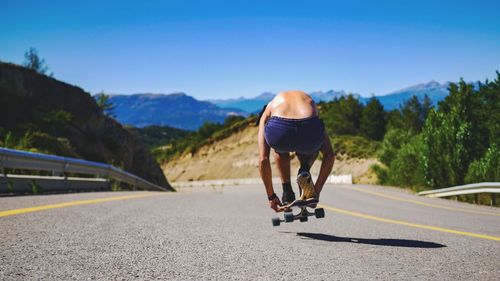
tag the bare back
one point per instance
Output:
(293, 105)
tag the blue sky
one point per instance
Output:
(224, 49)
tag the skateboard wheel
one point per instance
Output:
(288, 217)
(303, 219)
(319, 213)
(276, 221)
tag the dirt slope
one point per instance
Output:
(237, 157)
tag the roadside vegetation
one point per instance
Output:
(454, 144)
(39, 134)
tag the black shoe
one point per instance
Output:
(288, 197)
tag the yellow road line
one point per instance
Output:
(421, 203)
(416, 225)
(75, 203)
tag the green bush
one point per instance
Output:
(382, 173)
(56, 121)
(355, 146)
(394, 139)
(406, 169)
(486, 168)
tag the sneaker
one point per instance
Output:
(288, 197)
(306, 185)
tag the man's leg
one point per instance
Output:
(306, 161)
(304, 178)
(283, 165)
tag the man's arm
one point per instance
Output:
(265, 164)
(326, 164)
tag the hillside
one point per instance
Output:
(39, 113)
(236, 156)
(175, 110)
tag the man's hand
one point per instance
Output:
(317, 191)
(275, 203)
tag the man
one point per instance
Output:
(290, 123)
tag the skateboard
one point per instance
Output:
(307, 200)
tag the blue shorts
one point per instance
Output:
(303, 136)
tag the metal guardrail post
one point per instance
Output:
(4, 174)
(493, 199)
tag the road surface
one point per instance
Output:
(225, 233)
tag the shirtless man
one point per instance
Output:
(290, 123)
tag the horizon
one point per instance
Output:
(267, 92)
(225, 50)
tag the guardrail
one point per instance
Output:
(476, 188)
(60, 166)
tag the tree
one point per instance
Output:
(489, 111)
(373, 122)
(342, 116)
(451, 138)
(426, 108)
(33, 61)
(406, 168)
(105, 104)
(411, 112)
(411, 115)
(394, 139)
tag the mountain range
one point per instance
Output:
(255, 104)
(436, 92)
(177, 110)
(181, 111)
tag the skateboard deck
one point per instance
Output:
(299, 203)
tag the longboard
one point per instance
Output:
(307, 200)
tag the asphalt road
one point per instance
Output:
(369, 233)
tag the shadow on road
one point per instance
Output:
(380, 242)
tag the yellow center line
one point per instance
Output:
(420, 203)
(416, 225)
(76, 203)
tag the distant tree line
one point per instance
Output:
(348, 116)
